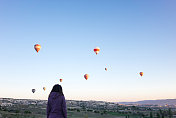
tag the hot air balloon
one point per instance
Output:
(106, 69)
(37, 47)
(33, 90)
(60, 80)
(141, 74)
(86, 76)
(44, 88)
(97, 50)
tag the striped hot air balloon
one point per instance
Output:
(86, 76)
(141, 74)
(37, 47)
(97, 50)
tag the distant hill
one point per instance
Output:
(154, 102)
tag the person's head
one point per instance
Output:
(57, 88)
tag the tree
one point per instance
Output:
(158, 115)
(151, 115)
(27, 112)
(78, 110)
(162, 113)
(170, 113)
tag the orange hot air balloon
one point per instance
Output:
(97, 50)
(141, 74)
(44, 88)
(86, 76)
(60, 80)
(106, 69)
(37, 47)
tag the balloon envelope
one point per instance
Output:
(60, 80)
(37, 47)
(97, 50)
(44, 88)
(141, 74)
(33, 90)
(86, 76)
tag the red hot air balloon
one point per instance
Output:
(86, 76)
(141, 74)
(37, 47)
(97, 50)
(60, 80)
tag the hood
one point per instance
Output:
(54, 95)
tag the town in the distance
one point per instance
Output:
(29, 108)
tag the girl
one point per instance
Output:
(56, 107)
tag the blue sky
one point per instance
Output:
(133, 36)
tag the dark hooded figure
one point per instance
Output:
(56, 107)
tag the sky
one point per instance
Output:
(134, 36)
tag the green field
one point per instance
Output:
(39, 111)
(71, 114)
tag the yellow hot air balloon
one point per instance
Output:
(37, 47)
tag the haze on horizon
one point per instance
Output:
(134, 36)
